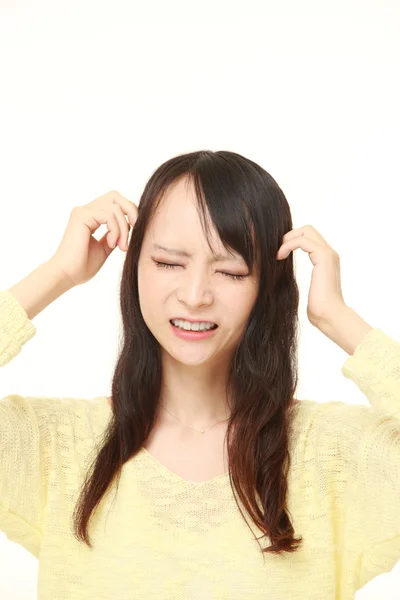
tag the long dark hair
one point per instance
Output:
(251, 215)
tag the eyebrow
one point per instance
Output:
(185, 254)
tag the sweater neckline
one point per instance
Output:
(172, 475)
(146, 455)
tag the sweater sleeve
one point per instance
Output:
(15, 327)
(22, 441)
(372, 509)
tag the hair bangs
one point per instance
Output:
(221, 204)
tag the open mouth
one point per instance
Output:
(194, 330)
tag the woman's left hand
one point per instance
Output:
(325, 297)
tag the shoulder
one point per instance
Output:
(49, 410)
(332, 428)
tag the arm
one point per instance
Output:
(369, 439)
(40, 288)
(23, 302)
(25, 446)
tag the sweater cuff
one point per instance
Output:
(375, 368)
(15, 327)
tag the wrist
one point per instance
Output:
(58, 276)
(41, 287)
(345, 328)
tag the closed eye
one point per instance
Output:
(163, 265)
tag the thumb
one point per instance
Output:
(103, 242)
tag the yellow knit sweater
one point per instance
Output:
(164, 538)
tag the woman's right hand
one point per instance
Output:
(80, 256)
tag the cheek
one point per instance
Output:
(152, 296)
(241, 305)
(146, 293)
(242, 299)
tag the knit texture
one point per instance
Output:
(160, 537)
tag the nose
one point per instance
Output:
(195, 290)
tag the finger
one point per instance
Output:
(312, 247)
(307, 230)
(290, 235)
(93, 219)
(103, 241)
(123, 226)
(128, 207)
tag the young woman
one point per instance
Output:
(202, 477)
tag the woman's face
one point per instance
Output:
(196, 286)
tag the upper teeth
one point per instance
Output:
(200, 325)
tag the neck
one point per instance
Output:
(195, 396)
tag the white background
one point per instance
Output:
(95, 95)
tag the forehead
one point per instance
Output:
(177, 219)
(179, 202)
